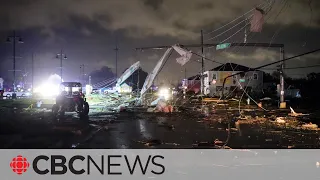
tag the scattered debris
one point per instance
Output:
(155, 102)
(121, 108)
(265, 99)
(293, 113)
(151, 109)
(310, 126)
(153, 142)
(280, 120)
(218, 142)
(203, 144)
(173, 144)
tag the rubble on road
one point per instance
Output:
(280, 120)
(310, 126)
(294, 114)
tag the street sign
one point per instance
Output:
(242, 80)
(223, 46)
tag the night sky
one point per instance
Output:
(87, 29)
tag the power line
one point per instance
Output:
(270, 7)
(265, 6)
(227, 29)
(206, 58)
(232, 21)
(276, 62)
(247, 23)
(300, 67)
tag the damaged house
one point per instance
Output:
(252, 81)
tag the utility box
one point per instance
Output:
(283, 105)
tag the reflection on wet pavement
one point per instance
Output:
(154, 130)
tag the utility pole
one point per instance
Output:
(185, 73)
(245, 31)
(32, 81)
(282, 102)
(90, 80)
(268, 45)
(81, 75)
(116, 49)
(61, 56)
(138, 83)
(13, 39)
(202, 64)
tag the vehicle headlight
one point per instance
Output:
(164, 92)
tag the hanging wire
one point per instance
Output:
(262, 7)
(227, 29)
(226, 142)
(233, 20)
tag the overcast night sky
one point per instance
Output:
(86, 30)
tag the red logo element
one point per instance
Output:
(19, 164)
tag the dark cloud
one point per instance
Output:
(137, 14)
(204, 5)
(86, 29)
(155, 4)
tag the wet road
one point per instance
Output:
(147, 130)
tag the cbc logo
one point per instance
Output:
(19, 165)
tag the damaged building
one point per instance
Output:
(252, 81)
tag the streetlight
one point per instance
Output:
(61, 56)
(14, 39)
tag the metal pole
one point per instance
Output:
(245, 31)
(184, 84)
(138, 83)
(282, 76)
(80, 74)
(116, 49)
(83, 74)
(61, 65)
(202, 64)
(32, 72)
(14, 61)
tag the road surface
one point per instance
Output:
(33, 130)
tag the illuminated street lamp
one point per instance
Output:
(61, 56)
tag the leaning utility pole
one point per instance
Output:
(202, 65)
(226, 45)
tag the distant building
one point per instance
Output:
(125, 88)
(192, 83)
(252, 81)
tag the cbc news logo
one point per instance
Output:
(103, 164)
(19, 165)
